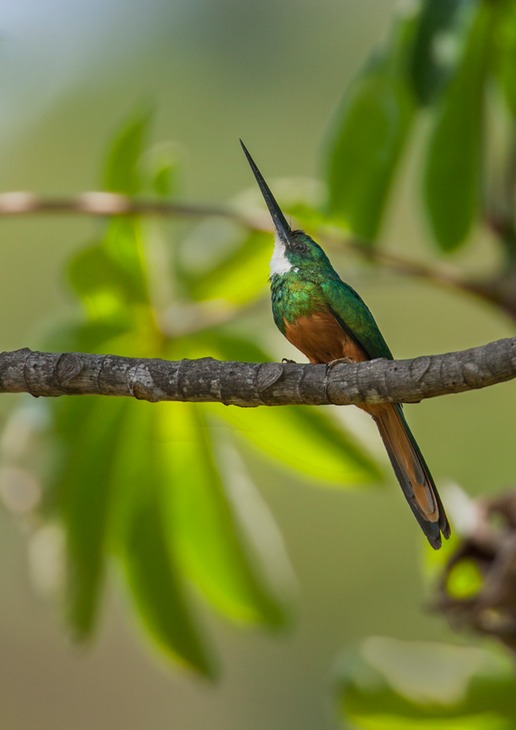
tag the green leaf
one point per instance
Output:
(89, 336)
(164, 179)
(230, 546)
(163, 172)
(399, 684)
(100, 282)
(81, 493)
(505, 37)
(465, 580)
(228, 346)
(109, 494)
(452, 175)
(141, 540)
(240, 276)
(158, 591)
(122, 171)
(369, 136)
(125, 245)
(436, 31)
(302, 439)
(111, 275)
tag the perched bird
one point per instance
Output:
(327, 320)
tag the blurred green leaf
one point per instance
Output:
(400, 684)
(163, 182)
(306, 440)
(436, 30)
(505, 38)
(140, 538)
(302, 439)
(369, 136)
(110, 276)
(82, 491)
(122, 171)
(124, 244)
(100, 282)
(158, 591)
(229, 346)
(163, 172)
(452, 175)
(137, 461)
(161, 488)
(217, 521)
(89, 336)
(465, 580)
(241, 275)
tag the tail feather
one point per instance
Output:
(412, 472)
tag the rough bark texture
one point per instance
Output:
(254, 384)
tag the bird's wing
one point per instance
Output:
(355, 318)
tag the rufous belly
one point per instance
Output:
(322, 339)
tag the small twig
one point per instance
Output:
(444, 276)
(98, 203)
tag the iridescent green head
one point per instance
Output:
(292, 249)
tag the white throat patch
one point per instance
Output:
(279, 263)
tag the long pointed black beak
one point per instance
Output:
(279, 220)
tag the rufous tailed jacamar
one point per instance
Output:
(327, 320)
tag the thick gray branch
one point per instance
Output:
(255, 384)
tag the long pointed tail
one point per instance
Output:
(412, 472)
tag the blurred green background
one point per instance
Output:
(271, 73)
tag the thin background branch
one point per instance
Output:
(106, 204)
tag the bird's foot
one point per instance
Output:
(330, 365)
(287, 361)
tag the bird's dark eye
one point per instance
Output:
(300, 247)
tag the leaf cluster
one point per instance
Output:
(454, 687)
(444, 68)
(161, 491)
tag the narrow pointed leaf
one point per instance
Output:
(158, 591)
(82, 494)
(369, 136)
(452, 176)
(122, 173)
(304, 440)
(210, 522)
(505, 37)
(300, 438)
(438, 24)
(154, 576)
